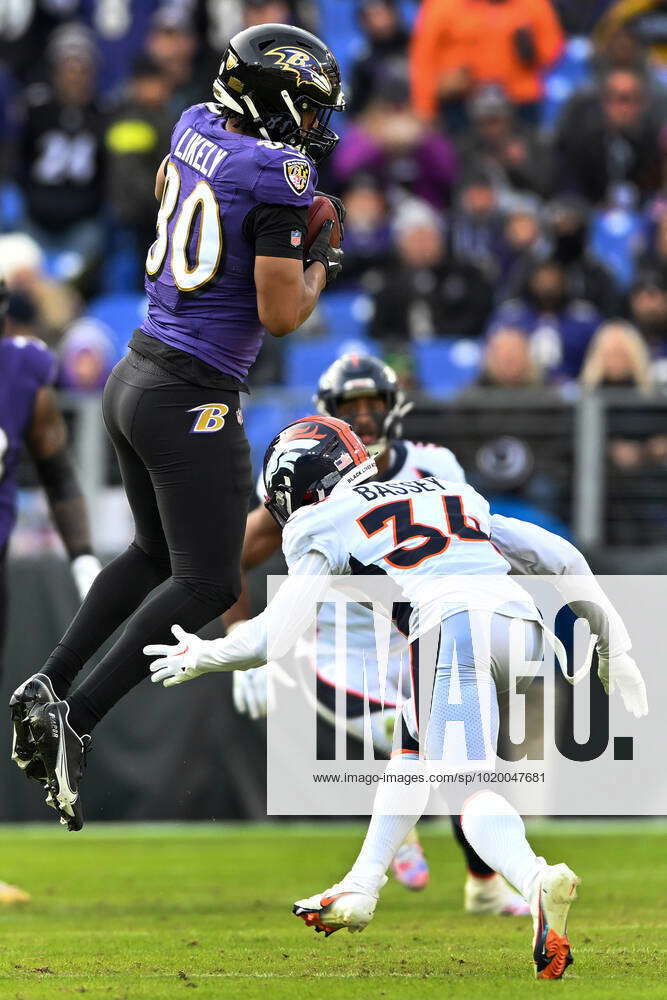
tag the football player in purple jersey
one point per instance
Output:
(30, 417)
(227, 264)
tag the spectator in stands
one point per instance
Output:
(559, 327)
(508, 362)
(22, 318)
(172, 43)
(383, 55)
(61, 159)
(617, 358)
(266, 12)
(86, 356)
(403, 153)
(655, 257)
(522, 241)
(644, 19)
(54, 303)
(459, 44)
(425, 294)
(136, 140)
(648, 310)
(497, 144)
(580, 18)
(475, 223)
(609, 137)
(567, 232)
(278, 12)
(368, 237)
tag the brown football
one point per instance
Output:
(319, 212)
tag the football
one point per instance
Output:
(319, 212)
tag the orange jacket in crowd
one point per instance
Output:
(474, 39)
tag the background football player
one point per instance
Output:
(227, 263)
(363, 391)
(321, 487)
(30, 417)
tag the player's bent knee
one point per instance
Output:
(219, 594)
(158, 555)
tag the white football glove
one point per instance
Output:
(84, 570)
(177, 663)
(251, 692)
(621, 671)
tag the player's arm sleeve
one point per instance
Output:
(449, 468)
(46, 439)
(532, 550)
(273, 633)
(277, 230)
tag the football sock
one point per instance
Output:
(125, 664)
(116, 592)
(475, 864)
(388, 829)
(496, 832)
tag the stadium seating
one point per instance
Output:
(616, 237)
(122, 313)
(445, 367)
(570, 73)
(306, 360)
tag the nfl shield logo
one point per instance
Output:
(295, 238)
(297, 175)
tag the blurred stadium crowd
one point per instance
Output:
(503, 164)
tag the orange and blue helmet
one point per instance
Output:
(308, 460)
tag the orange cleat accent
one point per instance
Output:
(557, 954)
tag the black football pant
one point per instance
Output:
(185, 464)
(3, 604)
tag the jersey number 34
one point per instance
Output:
(399, 514)
(189, 274)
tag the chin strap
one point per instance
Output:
(256, 120)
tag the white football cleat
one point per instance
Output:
(552, 893)
(410, 867)
(492, 895)
(350, 903)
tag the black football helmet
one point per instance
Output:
(308, 460)
(271, 74)
(355, 375)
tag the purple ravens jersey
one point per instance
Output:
(200, 269)
(25, 366)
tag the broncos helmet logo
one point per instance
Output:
(306, 68)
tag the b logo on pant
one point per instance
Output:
(211, 418)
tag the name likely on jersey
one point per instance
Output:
(199, 152)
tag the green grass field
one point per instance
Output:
(159, 911)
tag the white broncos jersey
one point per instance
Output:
(431, 536)
(409, 460)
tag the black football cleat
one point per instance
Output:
(63, 754)
(36, 690)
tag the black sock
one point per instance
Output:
(116, 593)
(474, 862)
(125, 665)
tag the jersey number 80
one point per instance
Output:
(188, 275)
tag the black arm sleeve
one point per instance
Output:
(68, 508)
(277, 230)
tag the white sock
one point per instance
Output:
(396, 809)
(496, 832)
